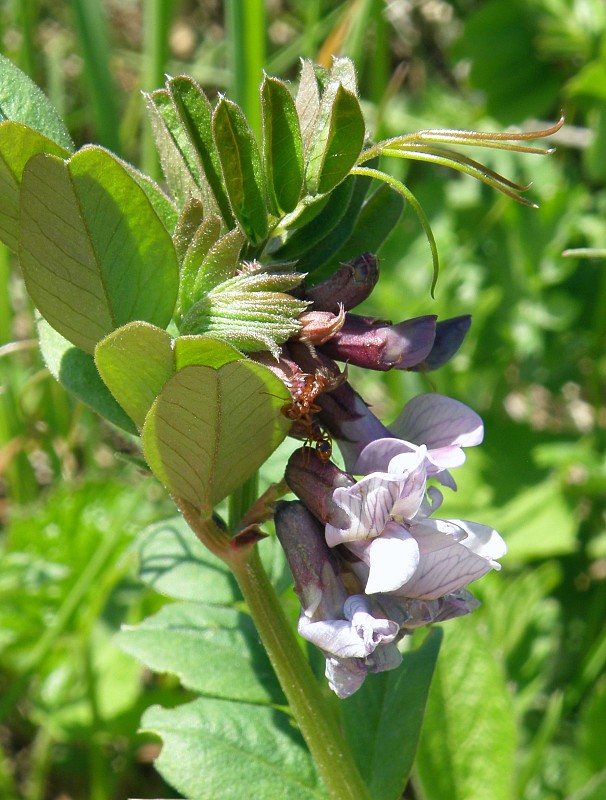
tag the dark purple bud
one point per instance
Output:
(313, 481)
(350, 422)
(365, 343)
(449, 337)
(349, 285)
(312, 562)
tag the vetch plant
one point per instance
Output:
(210, 320)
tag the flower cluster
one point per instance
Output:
(370, 559)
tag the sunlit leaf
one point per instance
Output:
(337, 137)
(211, 429)
(242, 172)
(135, 362)
(94, 253)
(22, 101)
(392, 706)
(195, 116)
(282, 145)
(212, 748)
(18, 143)
(468, 742)
(213, 649)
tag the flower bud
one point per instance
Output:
(314, 481)
(349, 285)
(365, 343)
(449, 337)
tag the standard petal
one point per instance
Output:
(438, 421)
(375, 457)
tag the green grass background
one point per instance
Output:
(534, 366)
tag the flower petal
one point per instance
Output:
(368, 505)
(345, 675)
(482, 540)
(392, 558)
(438, 421)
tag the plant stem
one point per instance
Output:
(246, 28)
(329, 750)
(314, 716)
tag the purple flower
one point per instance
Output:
(353, 640)
(399, 547)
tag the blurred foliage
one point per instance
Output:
(534, 366)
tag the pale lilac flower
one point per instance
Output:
(353, 640)
(400, 548)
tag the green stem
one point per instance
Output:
(241, 500)
(245, 22)
(329, 750)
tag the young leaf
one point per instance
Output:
(210, 429)
(338, 133)
(18, 143)
(305, 238)
(241, 164)
(282, 145)
(93, 251)
(391, 705)
(190, 219)
(195, 114)
(307, 101)
(162, 205)
(75, 370)
(377, 218)
(219, 749)
(206, 236)
(22, 101)
(174, 148)
(135, 362)
(219, 263)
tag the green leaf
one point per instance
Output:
(202, 241)
(173, 562)
(22, 101)
(305, 239)
(190, 219)
(214, 650)
(468, 741)
(376, 220)
(93, 251)
(195, 114)
(338, 135)
(135, 362)
(204, 351)
(18, 143)
(282, 145)
(391, 705)
(219, 264)
(209, 429)
(162, 205)
(174, 148)
(241, 164)
(219, 749)
(314, 260)
(307, 101)
(76, 371)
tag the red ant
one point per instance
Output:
(301, 409)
